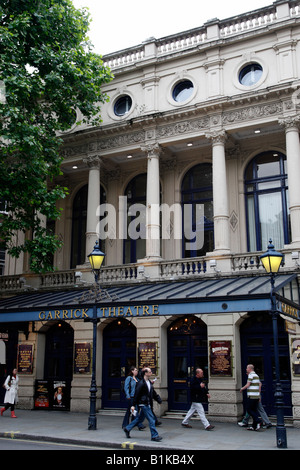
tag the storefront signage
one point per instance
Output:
(25, 358)
(82, 358)
(220, 358)
(147, 356)
(70, 314)
(288, 308)
(113, 311)
(134, 310)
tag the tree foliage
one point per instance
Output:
(47, 71)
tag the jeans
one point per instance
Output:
(128, 414)
(145, 412)
(198, 407)
(261, 412)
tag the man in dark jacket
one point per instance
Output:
(143, 398)
(199, 395)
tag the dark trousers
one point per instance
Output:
(252, 404)
(11, 405)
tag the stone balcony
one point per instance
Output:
(147, 271)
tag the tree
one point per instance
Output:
(48, 70)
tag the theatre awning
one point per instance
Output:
(210, 295)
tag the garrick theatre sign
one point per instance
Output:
(84, 313)
(209, 295)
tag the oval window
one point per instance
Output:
(250, 74)
(183, 91)
(122, 105)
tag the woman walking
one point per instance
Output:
(129, 389)
(11, 395)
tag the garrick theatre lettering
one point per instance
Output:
(120, 311)
(134, 311)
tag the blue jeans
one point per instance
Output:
(145, 412)
(127, 415)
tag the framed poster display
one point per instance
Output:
(220, 358)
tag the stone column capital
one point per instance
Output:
(152, 150)
(93, 161)
(217, 137)
(290, 122)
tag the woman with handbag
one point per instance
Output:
(11, 395)
(129, 389)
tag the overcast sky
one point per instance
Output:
(118, 24)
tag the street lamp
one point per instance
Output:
(96, 258)
(271, 261)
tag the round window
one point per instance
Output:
(122, 105)
(250, 74)
(183, 91)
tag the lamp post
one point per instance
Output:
(271, 261)
(96, 258)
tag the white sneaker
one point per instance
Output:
(257, 427)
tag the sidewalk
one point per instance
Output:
(70, 427)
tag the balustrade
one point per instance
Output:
(245, 23)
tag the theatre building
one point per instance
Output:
(195, 167)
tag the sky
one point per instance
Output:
(119, 24)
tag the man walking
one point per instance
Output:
(199, 395)
(252, 386)
(143, 398)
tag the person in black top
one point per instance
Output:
(199, 395)
(143, 398)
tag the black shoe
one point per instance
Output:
(156, 439)
(127, 433)
(158, 423)
(142, 426)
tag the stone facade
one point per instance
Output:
(223, 122)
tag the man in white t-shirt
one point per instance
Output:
(252, 386)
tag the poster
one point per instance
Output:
(82, 358)
(42, 394)
(220, 358)
(296, 356)
(147, 355)
(25, 358)
(52, 395)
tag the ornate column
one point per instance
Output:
(220, 193)
(152, 202)
(93, 162)
(293, 169)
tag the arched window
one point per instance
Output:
(196, 190)
(135, 243)
(79, 216)
(266, 192)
